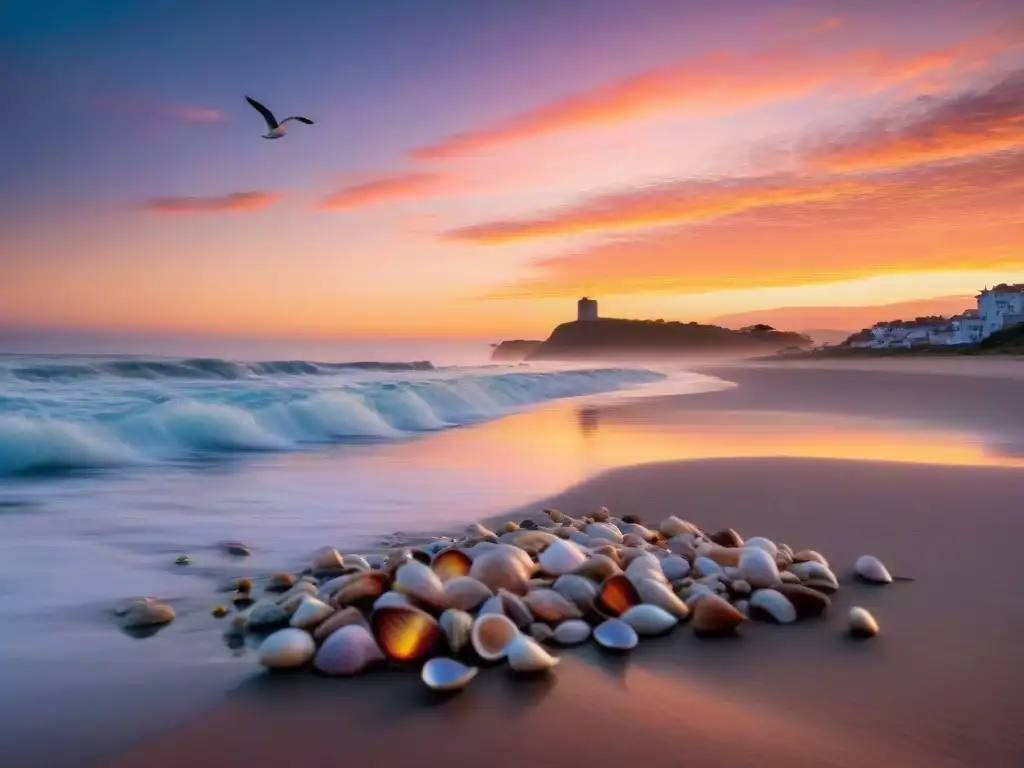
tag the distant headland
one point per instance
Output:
(592, 336)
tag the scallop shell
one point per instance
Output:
(342, 618)
(758, 568)
(465, 593)
(525, 655)
(760, 542)
(870, 569)
(499, 569)
(450, 564)
(675, 567)
(604, 531)
(579, 590)
(616, 595)
(491, 634)
(714, 616)
(310, 612)
(808, 602)
(348, 651)
(286, 648)
(572, 632)
(457, 627)
(561, 557)
(661, 595)
(774, 604)
(862, 623)
(673, 526)
(616, 635)
(405, 633)
(649, 619)
(446, 675)
(597, 568)
(327, 559)
(548, 605)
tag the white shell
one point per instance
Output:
(348, 651)
(491, 634)
(572, 632)
(644, 567)
(775, 604)
(758, 568)
(616, 635)
(862, 623)
(675, 567)
(578, 589)
(560, 557)
(649, 619)
(705, 566)
(760, 542)
(604, 531)
(390, 599)
(660, 594)
(871, 569)
(444, 674)
(549, 605)
(327, 559)
(465, 593)
(286, 648)
(418, 581)
(502, 568)
(310, 612)
(524, 654)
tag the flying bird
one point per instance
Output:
(275, 130)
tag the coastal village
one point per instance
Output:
(999, 307)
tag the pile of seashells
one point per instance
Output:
(493, 596)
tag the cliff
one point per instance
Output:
(608, 337)
(514, 351)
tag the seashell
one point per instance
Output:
(265, 615)
(510, 526)
(673, 526)
(491, 634)
(609, 550)
(577, 589)
(457, 627)
(815, 575)
(870, 569)
(675, 567)
(604, 531)
(632, 540)
(450, 564)
(465, 593)
(361, 588)
(636, 529)
(446, 675)
(732, 573)
(788, 577)
(477, 532)
(579, 537)
(286, 648)
(327, 559)
(499, 569)
(541, 632)
(726, 537)
(649, 619)
(724, 556)
(561, 557)
(660, 594)
(809, 555)
(390, 598)
(705, 566)
(417, 581)
(395, 559)
(616, 595)
(616, 635)
(280, 582)
(714, 616)
(642, 570)
(405, 633)
(740, 588)
(597, 568)
(758, 568)
(376, 561)
(301, 589)
(696, 593)
(760, 542)
(807, 602)
(310, 612)
(774, 604)
(548, 605)
(572, 632)
(531, 542)
(355, 563)
(784, 558)
(329, 587)
(556, 516)
(862, 623)
(683, 545)
(602, 515)
(525, 655)
(348, 651)
(343, 618)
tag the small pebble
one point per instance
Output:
(219, 611)
(183, 560)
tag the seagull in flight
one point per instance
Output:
(275, 130)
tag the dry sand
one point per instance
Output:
(939, 686)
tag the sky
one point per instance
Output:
(475, 166)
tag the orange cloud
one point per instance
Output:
(387, 188)
(848, 318)
(714, 83)
(966, 124)
(962, 216)
(236, 201)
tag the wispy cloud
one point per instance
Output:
(254, 200)
(719, 82)
(197, 114)
(388, 188)
(848, 318)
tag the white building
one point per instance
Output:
(968, 328)
(1000, 307)
(586, 309)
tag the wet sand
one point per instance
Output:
(939, 686)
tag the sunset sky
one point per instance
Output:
(477, 165)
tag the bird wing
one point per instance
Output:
(267, 114)
(305, 120)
